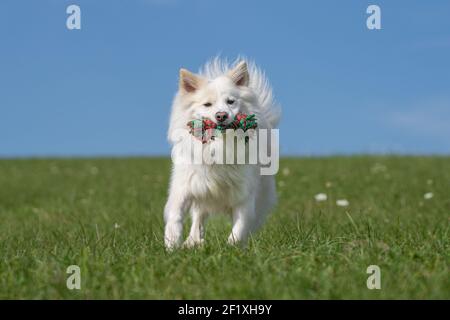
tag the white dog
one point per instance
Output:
(218, 93)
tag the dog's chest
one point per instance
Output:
(224, 185)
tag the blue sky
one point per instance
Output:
(107, 89)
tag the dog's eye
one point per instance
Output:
(230, 101)
(207, 104)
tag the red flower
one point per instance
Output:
(209, 124)
(240, 116)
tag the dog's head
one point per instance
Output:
(218, 99)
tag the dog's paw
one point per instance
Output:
(233, 240)
(192, 243)
(172, 236)
(171, 243)
(171, 246)
(236, 241)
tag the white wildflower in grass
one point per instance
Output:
(286, 172)
(342, 203)
(320, 197)
(428, 195)
(328, 184)
(116, 226)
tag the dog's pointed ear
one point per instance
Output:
(239, 74)
(189, 82)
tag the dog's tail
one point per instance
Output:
(258, 82)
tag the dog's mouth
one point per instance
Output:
(223, 123)
(226, 122)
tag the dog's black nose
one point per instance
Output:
(221, 116)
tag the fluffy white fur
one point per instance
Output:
(202, 189)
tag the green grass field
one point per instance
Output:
(105, 215)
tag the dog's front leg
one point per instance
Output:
(197, 233)
(244, 218)
(174, 212)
